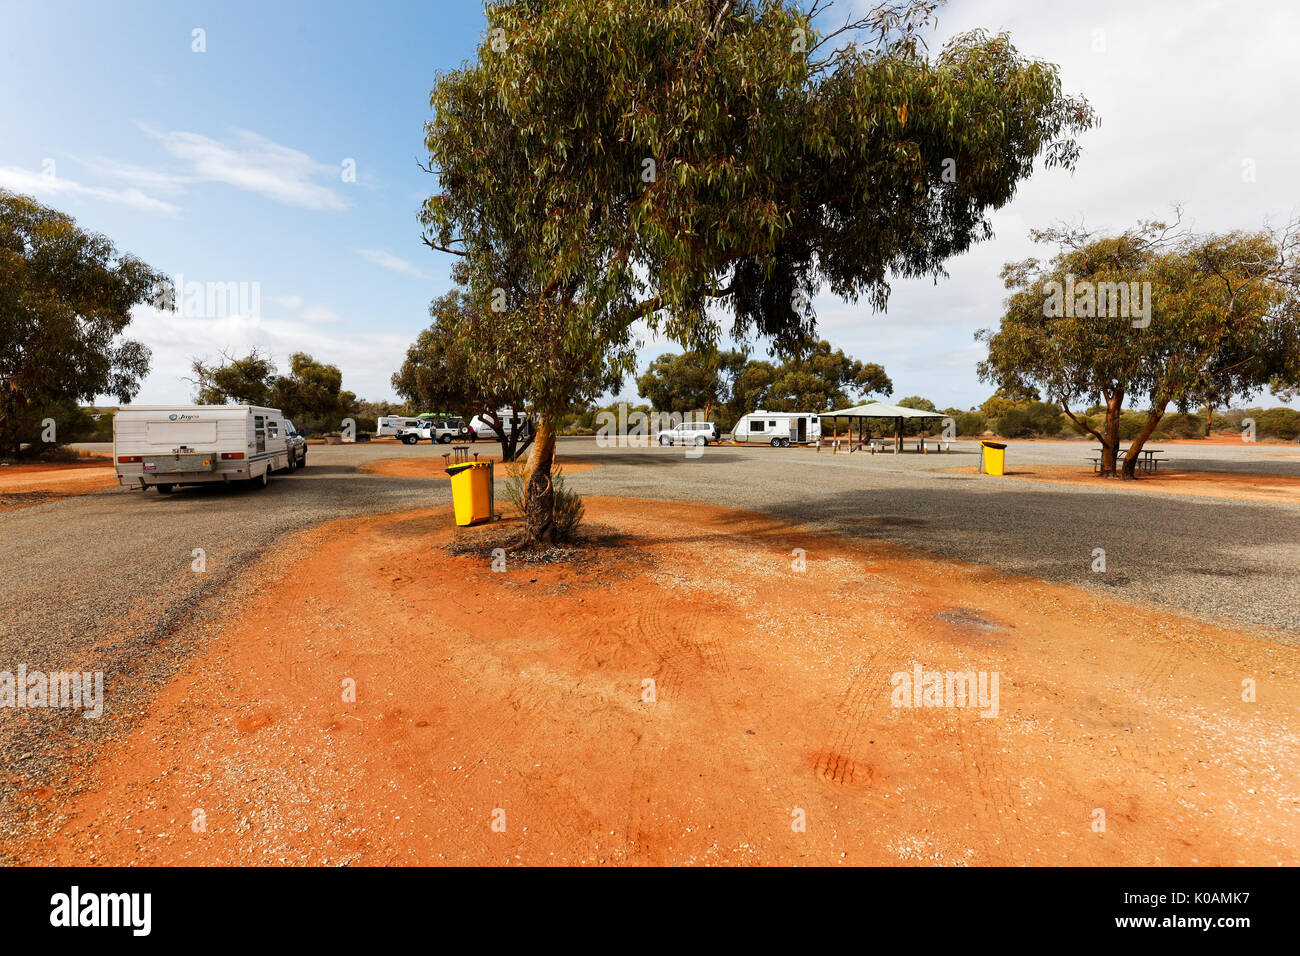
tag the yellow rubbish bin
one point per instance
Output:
(471, 491)
(993, 458)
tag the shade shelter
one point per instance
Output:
(861, 413)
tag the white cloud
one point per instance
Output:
(315, 313)
(319, 314)
(367, 360)
(57, 187)
(142, 177)
(393, 263)
(256, 164)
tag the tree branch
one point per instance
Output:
(437, 248)
(1082, 424)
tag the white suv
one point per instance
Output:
(442, 431)
(690, 433)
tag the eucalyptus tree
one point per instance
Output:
(238, 380)
(820, 378)
(66, 297)
(604, 168)
(1071, 354)
(691, 380)
(1220, 315)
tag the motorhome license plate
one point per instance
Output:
(172, 464)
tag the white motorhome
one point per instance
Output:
(778, 429)
(163, 446)
(483, 428)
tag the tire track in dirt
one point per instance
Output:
(986, 783)
(867, 686)
(1157, 669)
(684, 658)
(346, 603)
(691, 671)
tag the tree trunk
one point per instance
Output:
(1153, 419)
(10, 440)
(1110, 445)
(539, 494)
(511, 448)
(507, 441)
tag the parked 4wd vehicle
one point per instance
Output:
(297, 446)
(690, 433)
(437, 430)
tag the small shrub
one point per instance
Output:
(569, 509)
(1014, 423)
(1180, 425)
(1283, 423)
(1045, 419)
(58, 453)
(515, 473)
(971, 423)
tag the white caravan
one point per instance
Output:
(778, 429)
(168, 445)
(394, 425)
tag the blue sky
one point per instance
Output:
(230, 165)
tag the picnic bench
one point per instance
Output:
(1148, 459)
(938, 442)
(881, 445)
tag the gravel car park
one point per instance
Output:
(140, 609)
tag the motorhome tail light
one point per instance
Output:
(129, 459)
(232, 455)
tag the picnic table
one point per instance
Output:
(1148, 459)
(458, 455)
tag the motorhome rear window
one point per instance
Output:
(171, 434)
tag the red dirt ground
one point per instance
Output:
(1202, 484)
(22, 486)
(518, 696)
(434, 467)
